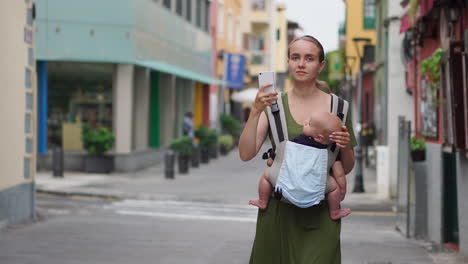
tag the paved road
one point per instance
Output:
(197, 218)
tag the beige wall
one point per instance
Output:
(233, 9)
(13, 64)
(262, 23)
(282, 43)
(230, 34)
(123, 107)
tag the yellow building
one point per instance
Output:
(360, 24)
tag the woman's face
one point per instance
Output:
(303, 61)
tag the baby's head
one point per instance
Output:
(321, 125)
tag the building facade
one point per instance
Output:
(435, 40)
(229, 45)
(359, 54)
(260, 38)
(125, 70)
(18, 110)
(392, 98)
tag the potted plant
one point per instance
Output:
(202, 133)
(183, 147)
(208, 143)
(418, 149)
(231, 126)
(225, 144)
(213, 143)
(97, 141)
(430, 67)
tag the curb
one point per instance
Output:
(82, 194)
(383, 207)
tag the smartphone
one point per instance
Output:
(267, 77)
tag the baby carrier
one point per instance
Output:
(299, 173)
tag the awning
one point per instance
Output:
(178, 71)
(405, 23)
(424, 7)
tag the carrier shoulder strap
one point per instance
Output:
(339, 107)
(277, 121)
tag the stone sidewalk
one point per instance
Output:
(151, 184)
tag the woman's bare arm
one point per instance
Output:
(256, 128)
(343, 140)
(347, 159)
(253, 135)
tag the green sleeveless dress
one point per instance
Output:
(286, 234)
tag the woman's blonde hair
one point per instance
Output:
(313, 40)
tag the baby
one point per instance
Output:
(315, 134)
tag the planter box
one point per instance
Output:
(214, 153)
(99, 164)
(204, 155)
(223, 151)
(418, 156)
(183, 162)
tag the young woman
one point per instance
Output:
(286, 233)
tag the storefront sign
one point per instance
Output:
(234, 70)
(335, 64)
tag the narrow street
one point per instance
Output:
(207, 220)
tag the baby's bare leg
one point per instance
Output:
(333, 198)
(264, 192)
(340, 177)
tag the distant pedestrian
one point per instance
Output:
(187, 125)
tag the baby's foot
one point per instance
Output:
(340, 213)
(259, 203)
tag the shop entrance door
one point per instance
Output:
(450, 209)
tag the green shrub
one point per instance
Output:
(183, 146)
(226, 141)
(97, 141)
(230, 125)
(418, 144)
(208, 138)
(213, 139)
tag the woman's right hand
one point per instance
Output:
(264, 99)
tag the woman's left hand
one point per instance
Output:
(342, 139)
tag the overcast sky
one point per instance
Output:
(319, 18)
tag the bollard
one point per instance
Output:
(169, 158)
(57, 162)
(195, 156)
